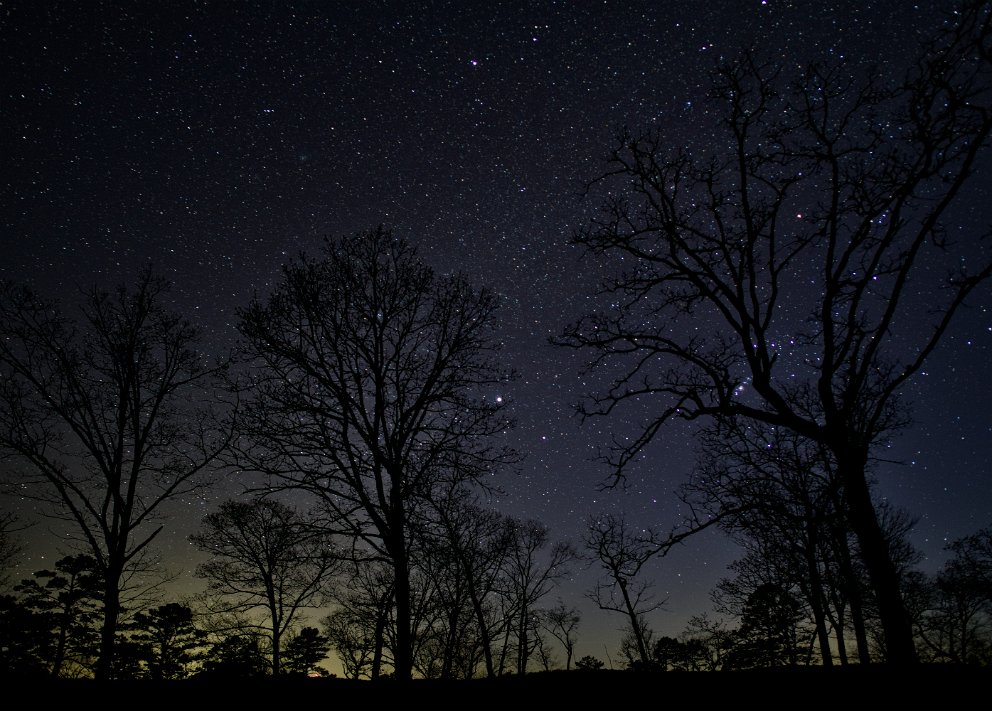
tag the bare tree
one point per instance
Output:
(265, 555)
(766, 277)
(350, 639)
(956, 622)
(530, 575)
(561, 621)
(622, 554)
(108, 416)
(776, 494)
(359, 628)
(374, 379)
(475, 542)
(710, 639)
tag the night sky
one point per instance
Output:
(219, 139)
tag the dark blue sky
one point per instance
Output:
(218, 139)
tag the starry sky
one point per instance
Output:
(219, 139)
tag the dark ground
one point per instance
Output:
(943, 686)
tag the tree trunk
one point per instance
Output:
(451, 638)
(900, 649)
(635, 624)
(522, 641)
(108, 631)
(853, 586)
(816, 591)
(858, 621)
(822, 634)
(403, 654)
(504, 650)
(841, 640)
(276, 645)
(380, 633)
(484, 632)
(59, 658)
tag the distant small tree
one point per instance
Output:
(353, 642)
(589, 663)
(359, 626)
(237, 656)
(169, 640)
(67, 600)
(957, 627)
(710, 639)
(637, 634)
(680, 654)
(768, 633)
(25, 641)
(542, 651)
(689, 655)
(561, 622)
(622, 555)
(530, 575)
(266, 556)
(305, 651)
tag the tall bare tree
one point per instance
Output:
(264, 555)
(956, 625)
(530, 574)
(374, 379)
(789, 273)
(110, 416)
(358, 628)
(622, 555)
(474, 542)
(561, 621)
(775, 494)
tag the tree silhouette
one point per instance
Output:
(530, 575)
(67, 600)
(266, 556)
(589, 663)
(108, 417)
(351, 639)
(471, 544)
(236, 656)
(775, 493)
(25, 641)
(956, 624)
(359, 628)
(375, 379)
(622, 554)
(766, 277)
(691, 654)
(168, 639)
(305, 651)
(710, 639)
(768, 633)
(562, 621)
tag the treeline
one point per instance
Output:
(759, 288)
(490, 617)
(480, 582)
